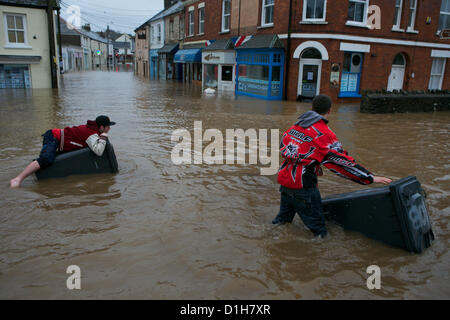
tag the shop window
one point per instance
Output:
(351, 74)
(357, 12)
(444, 19)
(226, 14)
(211, 75)
(16, 29)
(276, 73)
(437, 74)
(397, 14)
(227, 73)
(267, 12)
(314, 10)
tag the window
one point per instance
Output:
(227, 73)
(444, 19)
(181, 31)
(191, 23)
(314, 10)
(201, 20)
(171, 30)
(16, 26)
(397, 14)
(226, 14)
(159, 33)
(412, 15)
(437, 74)
(152, 33)
(267, 12)
(357, 12)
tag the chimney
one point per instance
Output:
(168, 3)
(87, 27)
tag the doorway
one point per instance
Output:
(309, 73)
(397, 75)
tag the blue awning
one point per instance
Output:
(188, 55)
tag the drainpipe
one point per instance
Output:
(288, 55)
(51, 39)
(239, 20)
(59, 36)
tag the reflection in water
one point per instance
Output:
(158, 230)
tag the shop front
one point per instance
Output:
(15, 71)
(166, 56)
(260, 68)
(219, 66)
(190, 59)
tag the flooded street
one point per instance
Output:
(163, 231)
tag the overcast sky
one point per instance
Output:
(121, 15)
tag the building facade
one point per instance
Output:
(142, 40)
(367, 45)
(26, 59)
(296, 49)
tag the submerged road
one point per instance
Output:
(164, 231)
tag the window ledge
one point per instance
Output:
(412, 31)
(190, 36)
(224, 32)
(357, 24)
(395, 29)
(11, 46)
(265, 26)
(201, 34)
(312, 22)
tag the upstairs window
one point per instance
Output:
(267, 12)
(226, 14)
(412, 15)
(181, 31)
(398, 14)
(357, 12)
(159, 33)
(171, 30)
(201, 20)
(15, 26)
(444, 19)
(152, 34)
(191, 23)
(314, 10)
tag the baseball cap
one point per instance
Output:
(104, 121)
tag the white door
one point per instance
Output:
(397, 75)
(396, 78)
(226, 77)
(309, 78)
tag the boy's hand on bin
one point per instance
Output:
(382, 180)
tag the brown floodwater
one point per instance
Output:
(158, 230)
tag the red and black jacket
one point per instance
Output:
(307, 145)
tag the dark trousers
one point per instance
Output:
(49, 149)
(307, 203)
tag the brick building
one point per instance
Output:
(333, 51)
(296, 49)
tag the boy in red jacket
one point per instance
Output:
(93, 134)
(307, 145)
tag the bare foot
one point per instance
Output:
(14, 183)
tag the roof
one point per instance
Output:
(223, 44)
(262, 41)
(168, 48)
(29, 3)
(73, 32)
(194, 46)
(177, 7)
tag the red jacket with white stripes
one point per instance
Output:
(307, 145)
(75, 137)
